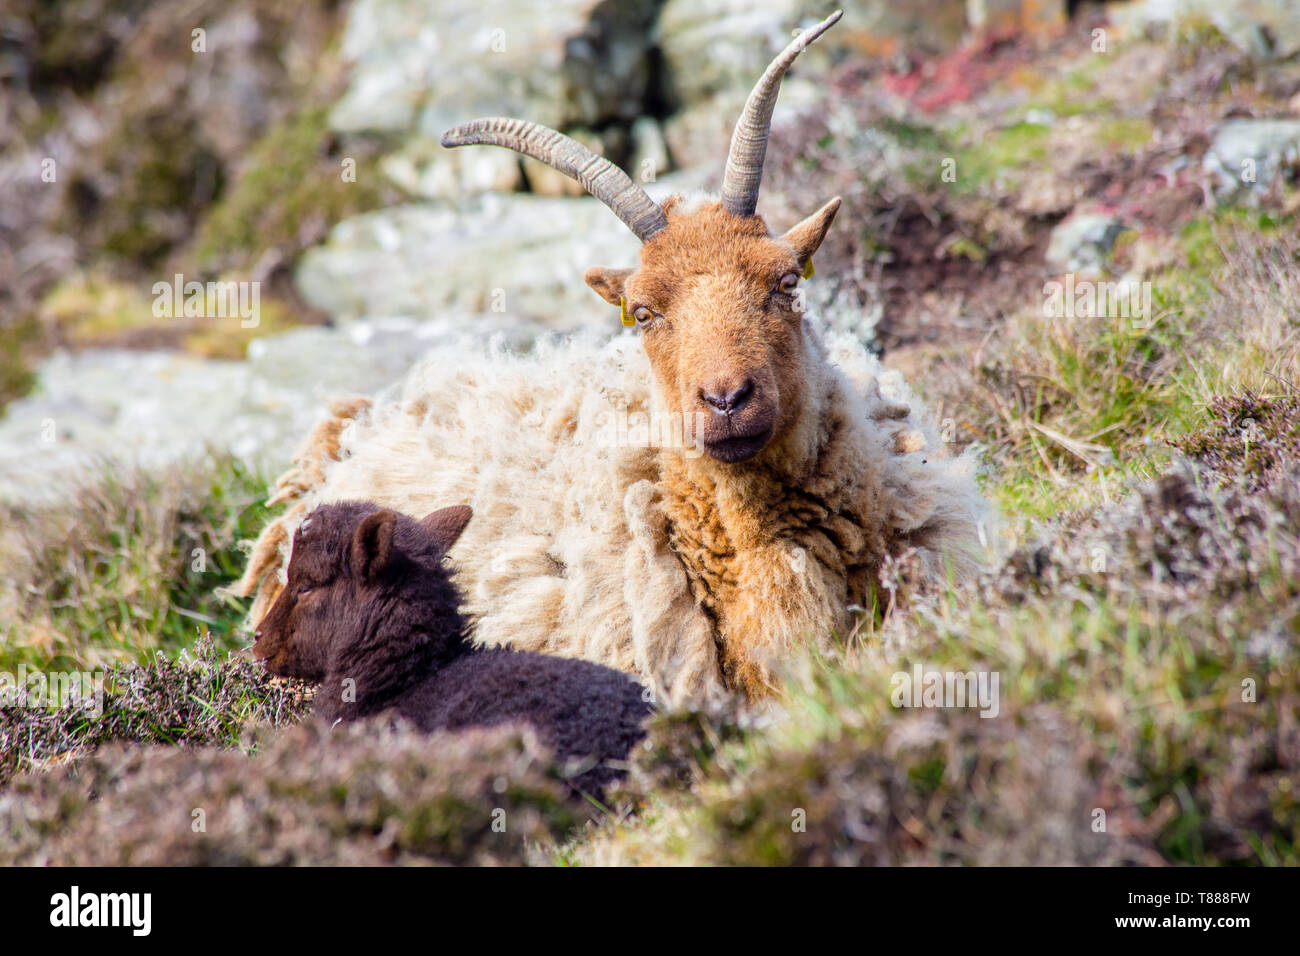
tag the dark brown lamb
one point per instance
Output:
(371, 613)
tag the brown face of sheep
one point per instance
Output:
(346, 559)
(718, 303)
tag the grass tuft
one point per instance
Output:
(126, 564)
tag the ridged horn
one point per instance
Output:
(597, 175)
(749, 140)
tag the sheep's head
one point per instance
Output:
(715, 294)
(718, 303)
(357, 575)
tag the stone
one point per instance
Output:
(698, 136)
(1266, 29)
(516, 255)
(1250, 155)
(423, 168)
(1082, 243)
(426, 65)
(650, 158)
(156, 409)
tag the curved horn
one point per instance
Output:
(749, 140)
(597, 175)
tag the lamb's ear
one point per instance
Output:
(372, 544)
(446, 524)
(807, 236)
(608, 283)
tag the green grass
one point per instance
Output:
(1024, 492)
(995, 154)
(1074, 411)
(1124, 134)
(130, 565)
(980, 157)
(1078, 406)
(97, 310)
(1073, 93)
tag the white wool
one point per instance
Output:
(567, 553)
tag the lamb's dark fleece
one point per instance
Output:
(370, 611)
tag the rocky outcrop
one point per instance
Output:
(427, 64)
(157, 408)
(513, 256)
(421, 66)
(1265, 29)
(1248, 156)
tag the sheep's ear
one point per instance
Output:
(807, 236)
(372, 544)
(446, 524)
(608, 283)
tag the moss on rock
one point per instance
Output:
(295, 184)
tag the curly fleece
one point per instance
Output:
(589, 542)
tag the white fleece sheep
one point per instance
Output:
(572, 549)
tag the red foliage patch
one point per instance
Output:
(958, 76)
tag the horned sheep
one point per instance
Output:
(803, 468)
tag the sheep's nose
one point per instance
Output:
(727, 400)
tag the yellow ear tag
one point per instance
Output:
(622, 313)
(808, 270)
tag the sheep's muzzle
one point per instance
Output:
(734, 424)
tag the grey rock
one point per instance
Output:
(154, 409)
(650, 158)
(423, 168)
(717, 46)
(1250, 155)
(515, 255)
(698, 135)
(1265, 29)
(1083, 242)
(425, 65)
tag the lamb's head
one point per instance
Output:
(716, 294)
(362, 580)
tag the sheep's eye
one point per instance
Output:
(642, 315)
(789, 282)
